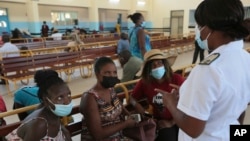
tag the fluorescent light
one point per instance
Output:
(141, 2)
(114, 1)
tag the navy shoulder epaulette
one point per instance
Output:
(209, 59)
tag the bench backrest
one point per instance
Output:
(12, 64)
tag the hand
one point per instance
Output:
(130, 122)
(169, 99)
(177, 88)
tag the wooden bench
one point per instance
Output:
(16, 69)
(24, 67)
(32, 43)
(75, 127)
(109, 51)
(56, 43)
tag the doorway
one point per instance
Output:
(176, 23)
(4, 21)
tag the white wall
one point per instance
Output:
(161, 9)
(156, 10)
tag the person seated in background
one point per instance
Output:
(2, 109)
(156, 72)
(16, 34)
(56, 35)
(76, 41)
(123, 43)
(82, 31)
(101, 108)
(68, 32)
(24, 51)
(8, 47)
(45, 123)
(76, 30)
(4, 51)
(28, 96)
(130, 64)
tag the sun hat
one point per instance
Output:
(153, 55)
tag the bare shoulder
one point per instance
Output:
(87, 101)
(28, 128)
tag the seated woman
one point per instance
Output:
(157, 73)
(101, 108)
(44, 123)
(28, 96)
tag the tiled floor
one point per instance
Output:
(79, 85)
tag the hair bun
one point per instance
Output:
(42, 76)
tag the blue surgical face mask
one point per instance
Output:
(143, 24)
(158, 73)
(61, 109)
(203, 43)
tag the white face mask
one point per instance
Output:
(203, 43)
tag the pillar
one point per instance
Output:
(33, 16)
(93, 16)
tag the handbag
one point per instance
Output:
(143, 131)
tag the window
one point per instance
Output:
(3, 12)
(192, 22)
(63, 18)
(247, 12)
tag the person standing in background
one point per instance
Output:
(118, 28)
(45, 29)
(139, 40)
(198, 48)
(216, 93)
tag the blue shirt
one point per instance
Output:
(27, 96)
(122, 45)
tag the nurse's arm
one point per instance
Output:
(190, 125)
